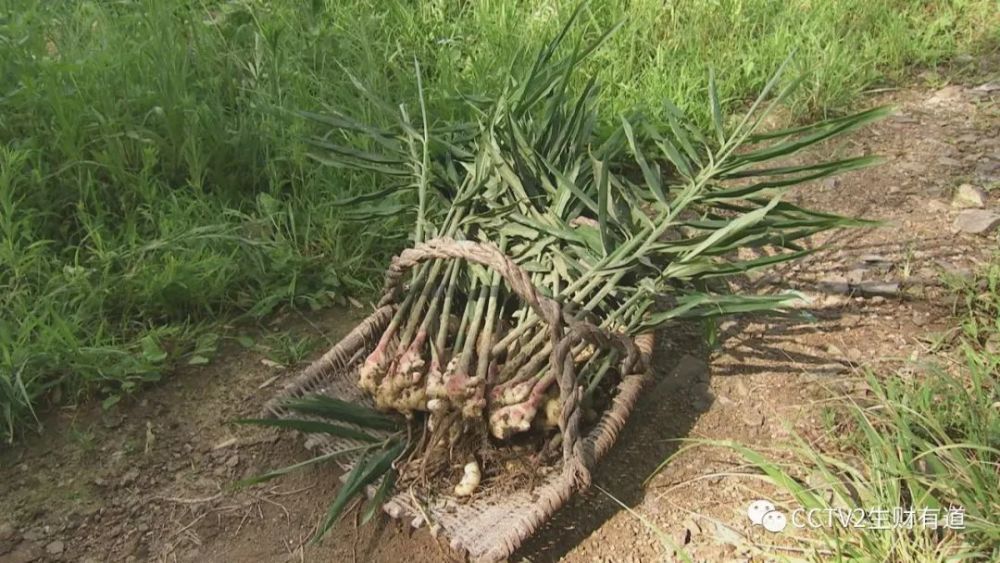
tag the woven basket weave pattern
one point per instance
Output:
(487, 528)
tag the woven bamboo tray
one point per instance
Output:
(487, 527)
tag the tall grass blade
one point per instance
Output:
(365, 472)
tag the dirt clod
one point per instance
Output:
(34, 534)
(976, 221)
(969, 196)
(25, 552)
(55, 548)
(7, 532)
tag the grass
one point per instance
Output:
(155, 183)
(924, 440)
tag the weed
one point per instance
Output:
(920, 444)
(287, 349)
(83, 439)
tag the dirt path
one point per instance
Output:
(147, 481)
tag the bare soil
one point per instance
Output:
(149, 479)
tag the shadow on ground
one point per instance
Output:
(663, 416)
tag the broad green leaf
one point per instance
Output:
(151, 350)
(197, 360)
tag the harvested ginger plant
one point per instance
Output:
(548, 240)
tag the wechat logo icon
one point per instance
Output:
(763, 513)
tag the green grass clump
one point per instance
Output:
(154, 183)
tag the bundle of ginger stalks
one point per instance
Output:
(607, 214)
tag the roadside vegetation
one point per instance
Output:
(156, 186)
(917, 450)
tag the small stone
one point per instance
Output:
(34, 534)
(873, 289)
(893, 189)
(988, 87)
(945, 95)
(976, 221)
(7, 531)
(876, 259)
(919, 319)
(832, 350)
(55, 548)
(233, 461)
(968, 196)
(834, 285)
(877, 300)
(853, 354)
